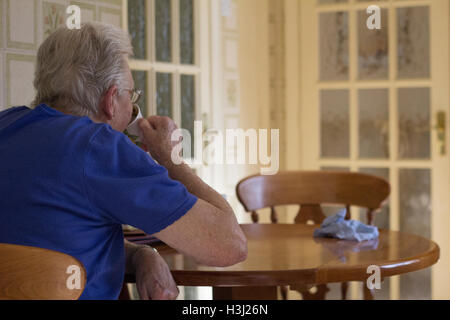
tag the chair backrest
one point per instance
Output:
(310, 189)
(30, 273)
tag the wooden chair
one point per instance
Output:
(311, 189)
(30, 273)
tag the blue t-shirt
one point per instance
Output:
(68, 184)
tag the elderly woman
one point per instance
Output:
(70, 178)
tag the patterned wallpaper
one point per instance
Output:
(24, 24)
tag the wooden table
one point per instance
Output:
(288, 254)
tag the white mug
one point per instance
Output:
(133, 128)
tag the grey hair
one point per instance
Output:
(76, 67)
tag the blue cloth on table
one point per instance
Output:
(337, 227)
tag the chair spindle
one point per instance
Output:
(273, 215)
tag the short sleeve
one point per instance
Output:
(125, 185)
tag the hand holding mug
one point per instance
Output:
(157, 136)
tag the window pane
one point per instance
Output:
(373, 53)
(335, 126)
(415, 201)
(140, 83)
(137, 27)
(415, 217)
(163, 30)
(334, 46)
(164, 94)
(186, 32)
(188, 106)
(381, 218)
(413, 42)
(414, 122)
(374, 123)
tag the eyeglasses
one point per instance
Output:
(135, 95)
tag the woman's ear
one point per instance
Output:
(108, 101)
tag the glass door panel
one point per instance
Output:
(373, 48)
(335, 126)
(163, 30)
(413, 41)
(188, 108)
(334, 48)
(164, 94)
(187, 31)
(137, 27)
(414, 123)
(373, 135)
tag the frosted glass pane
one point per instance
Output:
(137, 27)
(164, 94)
(335, 127)
(188, 106)
(373, 48)
(374, 123)
(415, 217)
(381, 218)
(415, 201)
(414, 123)
(140, 83)
(163, 29)
(416, 285)
(334, 46)
(186, 31)
(413, 42)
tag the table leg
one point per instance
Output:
(245, 293)
(368, 293)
